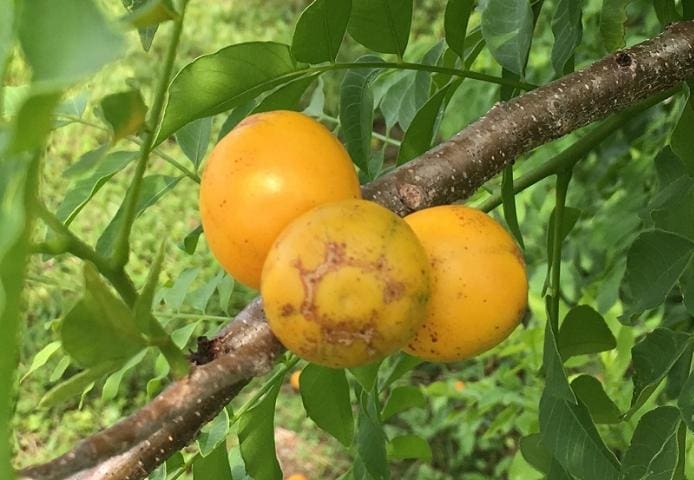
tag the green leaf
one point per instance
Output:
(402, 363)
(366, 375)
(681, 140)
(214, 83)
(83, 191)
(677, 215)
(153, 188)
(7, 21)
(236, 115)
(535, 453)
(200, 297)
(151, 13)
(557, 383)
(612, 19)
(194, 138)
(59, 369)
(213, 466)
(67, 40)
(688, 10)
(320, 29)
(455, 22)
(568, 31)
(146, 33)
(409, 92)
(371, 439)
(356, 112)
(686, 402)
(214, 434)
(125, 112)
(40, 359)
(655, 261)
(687, 287)
(190, 241)
(142, 310)
(669, 167)
(654, 452)
(76, 384)
(584, 331)
(420, 136)
(86, 162)
(570, 217)
(33, 122)
(509, 205)
(100, 327)
(257, 438)
(175, 296)
(507, 27)
(325, 394)
(286, 97)
(666, 11)
(590, 392)
(401, 399)
(225, 288)
(112, 384)
(653, 357)
(407, 447)
(568, 429)
(381, 25)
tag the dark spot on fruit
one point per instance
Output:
(393, 291)
(287, 309)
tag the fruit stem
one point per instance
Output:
(121, 250)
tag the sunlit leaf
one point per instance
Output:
(214, 83)
(381, 25)
(612, 19)
(319, 30)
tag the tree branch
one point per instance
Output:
(452, 171)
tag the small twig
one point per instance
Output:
(121, 250)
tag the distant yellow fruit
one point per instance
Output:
(459, 385)
(294, 380)
(346, 284)
(270, 169)
(479, 284)
(296, 476)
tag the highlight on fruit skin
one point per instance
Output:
(479, 286)
(346, 284)
(268, 170)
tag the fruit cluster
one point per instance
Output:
(344, 281)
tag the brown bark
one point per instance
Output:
(447, 173)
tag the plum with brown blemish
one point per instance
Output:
(346, 284)
(479, 286)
